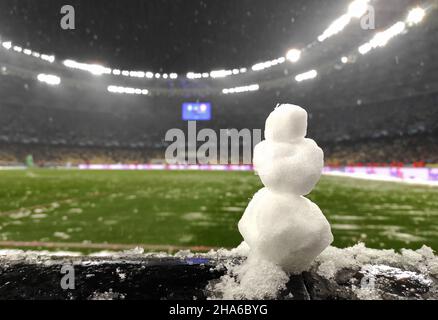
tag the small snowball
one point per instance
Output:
(286, 123)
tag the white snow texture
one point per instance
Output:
(280, 225)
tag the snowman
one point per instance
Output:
(280, 225)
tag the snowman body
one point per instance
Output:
(280, 224)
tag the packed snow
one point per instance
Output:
(280, 225)
(331, 260)
(419, 266)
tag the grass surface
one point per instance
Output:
(188, 208)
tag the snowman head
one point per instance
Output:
(286, 161)
(286, 123)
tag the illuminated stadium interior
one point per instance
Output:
(277, 137)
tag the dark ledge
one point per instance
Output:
(155, 277)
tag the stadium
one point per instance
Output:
(89, 95)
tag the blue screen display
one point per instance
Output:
(196, 111)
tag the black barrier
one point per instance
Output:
(186, 278)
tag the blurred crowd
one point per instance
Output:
(413, 150)
(50, 156)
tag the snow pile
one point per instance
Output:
(334, 259)
(369, 288)
(416, 267)
(284, 230)
(254, 279)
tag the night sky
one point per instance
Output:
(169, 35)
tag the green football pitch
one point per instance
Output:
(169, 210)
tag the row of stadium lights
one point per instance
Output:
(414, 17)
(242, 89)
(355, 10)
(96, 69)
(381, 39)
(127, 90)
(254, 87)
(53, 80)
(8, 46)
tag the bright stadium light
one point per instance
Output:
(293, 55)
(127, 90)
(94, 69)
(382, 38)
(195, 75)
(365, 48)
(7, 45)
(358, 8)
(252, 87)
(97, 70)
(344, 59)
(261, 66)
(149, 75)
(48, 58)
(220, 73)
(27, 52)
(267, 64)
(415, 16)
(112, 89)
(337, 26)
(17, 48)
(306, 75)
(173, 75)
(116, 72)
(216, 73)
(49, 79)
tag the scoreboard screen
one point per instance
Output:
(196, 111)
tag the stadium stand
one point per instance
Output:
(381, 108)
